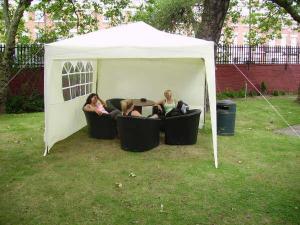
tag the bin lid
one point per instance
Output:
(225, 102)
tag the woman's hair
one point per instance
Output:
(126, 104)
(89, 99)
(167, 91)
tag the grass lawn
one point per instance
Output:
(258, 181)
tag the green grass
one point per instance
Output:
(258, 181)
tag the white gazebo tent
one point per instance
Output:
(128, 61)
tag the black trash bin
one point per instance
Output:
(226, 110)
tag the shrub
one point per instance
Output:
(263, 87)
(275, 93)
(23, 103)
(281, 93)
(231, 94)
(252, 93)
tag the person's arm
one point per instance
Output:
(161, 102)
(135, 113)
(90, 108)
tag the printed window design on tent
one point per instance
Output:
(77, 79)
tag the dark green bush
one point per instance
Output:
(22, 103)
(281, 93)
(263, 87)
(236, 94)
(275, 93)
(252, 93)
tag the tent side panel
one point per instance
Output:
(63, 118)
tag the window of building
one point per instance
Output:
(37, 34)
(77, 79)
(106, 19)
(283, 40)
(294, 41)
(235, 39)
(25, 16)
(245, 39)
(39, 16)
(271, 42)
(73, 32)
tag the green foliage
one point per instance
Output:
(275, 93)
(23, 103)
(171, 15)
(278, 93)
(22, 35)
(263, 87)
(79, 16)
(252, 93)
(267, 18)
(231, 94)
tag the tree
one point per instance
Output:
(12, 18)
(64, 14)
(80, 16)
(292, 7)
(203, 18)
(209, 19)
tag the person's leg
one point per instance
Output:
(114, 113)
(154, 116)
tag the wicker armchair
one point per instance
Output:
(183, 129)
(138, 133)
(101, 127)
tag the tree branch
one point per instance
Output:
(6, 14)
(77, 16)
(290, 8)
(14, 23)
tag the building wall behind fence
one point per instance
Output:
(228, 78)
(278, 77)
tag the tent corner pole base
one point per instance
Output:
(46, 151)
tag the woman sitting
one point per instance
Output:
(168, 103)
(128, 109)
(95, 104)
(171, 106)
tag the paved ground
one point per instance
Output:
(288, 131)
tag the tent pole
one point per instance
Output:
(97, 78)
(211, 86)
(46, 150)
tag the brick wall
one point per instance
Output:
(27, 81)
(276, 77)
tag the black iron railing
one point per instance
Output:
(27, 55)
(33, 55)
(240, 54)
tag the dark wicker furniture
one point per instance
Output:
(138, 133)
(183, 129)
(101, 127)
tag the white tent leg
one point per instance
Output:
(46, 151)
(211, 85)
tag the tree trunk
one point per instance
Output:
(6, 58)
(212, 20)
(4, 71)
(6, 63)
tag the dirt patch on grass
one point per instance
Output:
(289, 131)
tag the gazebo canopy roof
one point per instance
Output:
(137, 34)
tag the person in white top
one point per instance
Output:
(169, 103)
